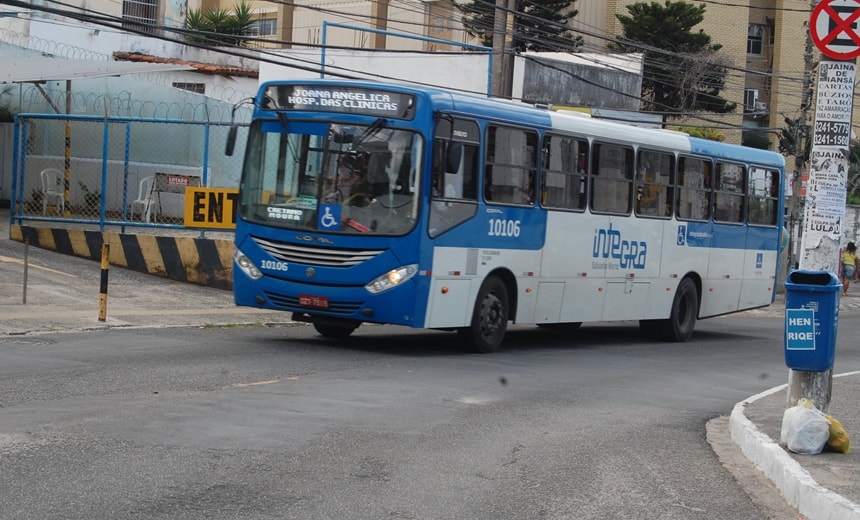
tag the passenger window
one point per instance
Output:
(564, 172)
(611, 178)
(764, 189)
(729, 193)
(654, 178)
(509, 174)
(694, 189)
(456, 153)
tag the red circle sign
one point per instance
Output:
(835, 28)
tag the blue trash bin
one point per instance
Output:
(811, 317)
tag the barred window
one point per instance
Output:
(140, 15)
(197, 88)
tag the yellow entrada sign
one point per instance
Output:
(211, 207)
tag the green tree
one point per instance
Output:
(683, 72)
(539, 25)
(220, 26)
(704, 133)
(854, 173)
(794, 140)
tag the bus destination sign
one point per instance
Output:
(344, 99)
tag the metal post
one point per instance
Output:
(104, 282)
(26, 268)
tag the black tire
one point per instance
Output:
(685, 310)
(489, 318)
(334, 331)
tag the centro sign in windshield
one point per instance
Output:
(347, 100)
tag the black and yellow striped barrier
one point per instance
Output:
(201, 261)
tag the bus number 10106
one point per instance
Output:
(504, 228)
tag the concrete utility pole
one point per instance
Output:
(835, 34)
(500, 22)
(801, 138)
(503, 44)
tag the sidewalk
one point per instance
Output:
(824, 486)
(821, 487)
(58, 300)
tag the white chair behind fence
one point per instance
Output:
(53, 190)
(143, 200)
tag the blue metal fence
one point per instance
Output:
(99, 165)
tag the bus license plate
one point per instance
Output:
(320, 302)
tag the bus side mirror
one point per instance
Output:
(231, 141)
(453, 157)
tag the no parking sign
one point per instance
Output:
(834, 28)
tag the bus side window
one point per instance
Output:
(509, 177)
(763, 196)
(729, 193)
(654, 179)
(454, 175)
(563, 182)
(611, 178)
(694, 189)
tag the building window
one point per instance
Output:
(755, 39)
(750, 98)
(264, 27)
(140, 15)
(197, 88)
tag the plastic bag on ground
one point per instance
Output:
(838, 440)
(805, 429)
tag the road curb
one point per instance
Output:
(795, 483)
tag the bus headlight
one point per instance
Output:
(392, 278)
(246, 265)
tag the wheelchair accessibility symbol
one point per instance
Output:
(329, 217)
(682, 235)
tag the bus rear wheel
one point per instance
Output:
(685, 309)
(489, 318)
(334, 331)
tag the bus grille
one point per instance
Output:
(329, 257)
(291, 303)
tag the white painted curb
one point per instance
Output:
(796, 485)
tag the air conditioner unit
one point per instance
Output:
(760, 107)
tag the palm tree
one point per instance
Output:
(220, 26)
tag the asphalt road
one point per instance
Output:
(259, 422)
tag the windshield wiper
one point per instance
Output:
(369, 132)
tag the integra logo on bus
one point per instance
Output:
(608, 244)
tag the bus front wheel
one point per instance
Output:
(685, 309)
(489, 318)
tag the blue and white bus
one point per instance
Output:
(381, 203)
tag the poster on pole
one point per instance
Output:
(826, 190)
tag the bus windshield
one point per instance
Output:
(338, 178)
